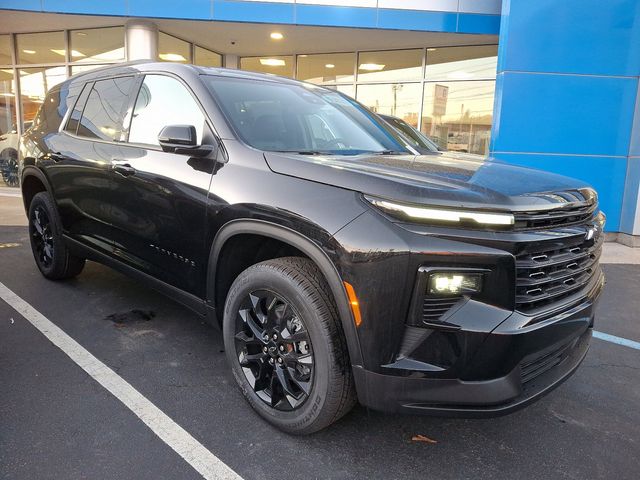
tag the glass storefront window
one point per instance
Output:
(97, 45)
(458, 115)
(349, 90)
(36, 48)
(5, 50)
(447, 92)
(84, 68)
(34, 84)
(282, 65)
(206, 58)
(401, 100)
(390, 66)
(8, 129)
(325, 69)
(172, 49)
(462, 63)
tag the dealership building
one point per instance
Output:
(546, 84)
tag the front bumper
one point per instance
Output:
(489, 353)
(544, 354)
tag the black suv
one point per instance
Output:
(340, 265)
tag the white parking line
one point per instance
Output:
(618, 340)
(194, 453)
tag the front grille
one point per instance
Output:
(561, 217)
(547, 276)
(433, 307)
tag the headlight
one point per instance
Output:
(445, 215)
(454, 283)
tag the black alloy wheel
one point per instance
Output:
(40, 226)
(274, 350)
(284, 342)
(52, 255)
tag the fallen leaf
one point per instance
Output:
(422, 438)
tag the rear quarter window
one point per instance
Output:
(55, 106)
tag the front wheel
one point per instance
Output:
(286, 347)
(53, 258)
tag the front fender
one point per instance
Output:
(320, 254)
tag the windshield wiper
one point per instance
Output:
(391, 152)
(344, 152)
(305, 152)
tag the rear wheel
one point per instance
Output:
(286, 347)
(52, 256)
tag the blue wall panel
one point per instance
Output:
(335, 16)
(605, 174)
(261, 12)
(567, 84)
(194, 9)
(572, 36)
(480, 24)
(414, 20)
(276, 12)
(574, 114)
(116, 7)
(35, 5)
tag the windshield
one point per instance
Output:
(417, 138)
(301, 119)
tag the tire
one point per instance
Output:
(9, 158)
(288, 297)
(52, 256)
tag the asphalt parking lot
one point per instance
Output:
(57, 422)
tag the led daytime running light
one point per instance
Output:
(445, 215)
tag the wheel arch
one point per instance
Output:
(304, 245)
(33, 181)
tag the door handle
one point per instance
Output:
(123, 169)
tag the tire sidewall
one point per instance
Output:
(43, 200)
(262, 277)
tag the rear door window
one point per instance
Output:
(104, 111)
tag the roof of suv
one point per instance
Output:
(177, 68)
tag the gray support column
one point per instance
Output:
(630, 217)
(231, 61)
(141, 40)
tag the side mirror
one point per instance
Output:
(183, 140)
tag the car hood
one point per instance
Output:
(443, 178)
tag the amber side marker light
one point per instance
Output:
(353, 302)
